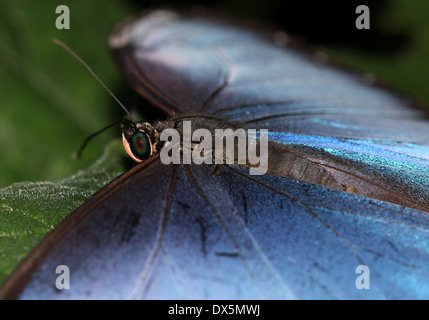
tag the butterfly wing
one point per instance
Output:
(185, 232)
(230, 236)
(328, 126)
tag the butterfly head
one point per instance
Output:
(140, 139)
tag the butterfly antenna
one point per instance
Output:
(74, 54)
(82, 147)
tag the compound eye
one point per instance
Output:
(138, 146)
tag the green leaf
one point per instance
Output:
(29, 210)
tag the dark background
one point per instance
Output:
(49, 103)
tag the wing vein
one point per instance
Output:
(270, 282)
(142, 278)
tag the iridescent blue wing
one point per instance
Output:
(181, 232)
(330, 128)
(186, 232)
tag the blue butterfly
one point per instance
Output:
(341, 214)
